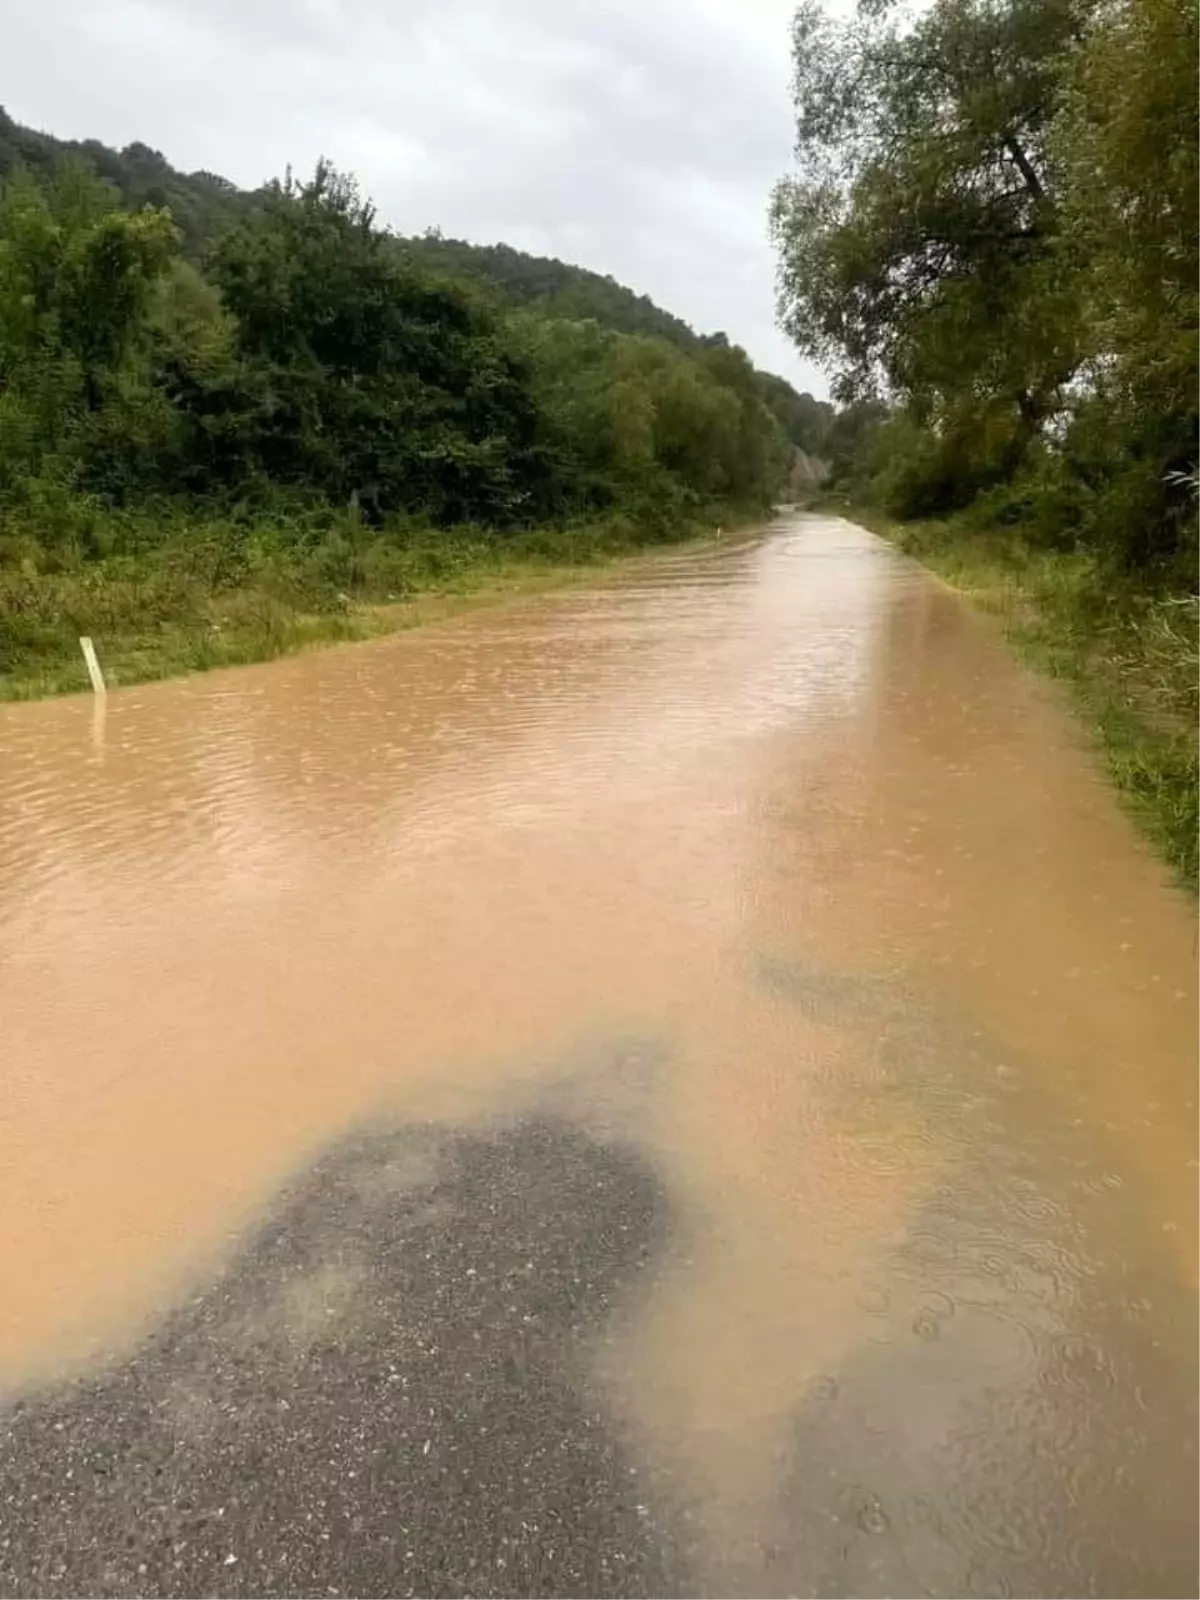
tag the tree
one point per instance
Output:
(1125, 144)
(76, 280)
(916, 238)
(805, 420)
(632, 421)
(377, 382)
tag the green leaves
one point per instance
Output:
(993, 222)
(624, 419)
(371, 380)
(921, 195)
(76, 281)
(316, 362)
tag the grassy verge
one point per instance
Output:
(220, 594)
(1130, 659)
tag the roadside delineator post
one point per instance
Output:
(92, 664)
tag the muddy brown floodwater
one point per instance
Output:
(749, 916)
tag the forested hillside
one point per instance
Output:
(553, 286)
(991, 237)
(202, 205)
(207, 395)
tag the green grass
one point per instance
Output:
(1129, 658)
(199, 595)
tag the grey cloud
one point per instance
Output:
(636, 139)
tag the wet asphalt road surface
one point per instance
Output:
(384, 1393)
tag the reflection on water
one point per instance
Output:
(862, 960)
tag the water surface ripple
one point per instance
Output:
(715, 1023)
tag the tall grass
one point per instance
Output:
(181, 595)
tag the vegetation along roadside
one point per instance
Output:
(221, 595)
(235, 423)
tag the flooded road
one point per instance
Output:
(681, 1086)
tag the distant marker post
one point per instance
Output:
(92, 664)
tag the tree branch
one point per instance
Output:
(1032, 182)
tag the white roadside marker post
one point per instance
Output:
(93, 665)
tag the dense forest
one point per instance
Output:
(552, 286)
(990, 236)
(210, 397)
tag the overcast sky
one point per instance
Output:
(635, 137)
